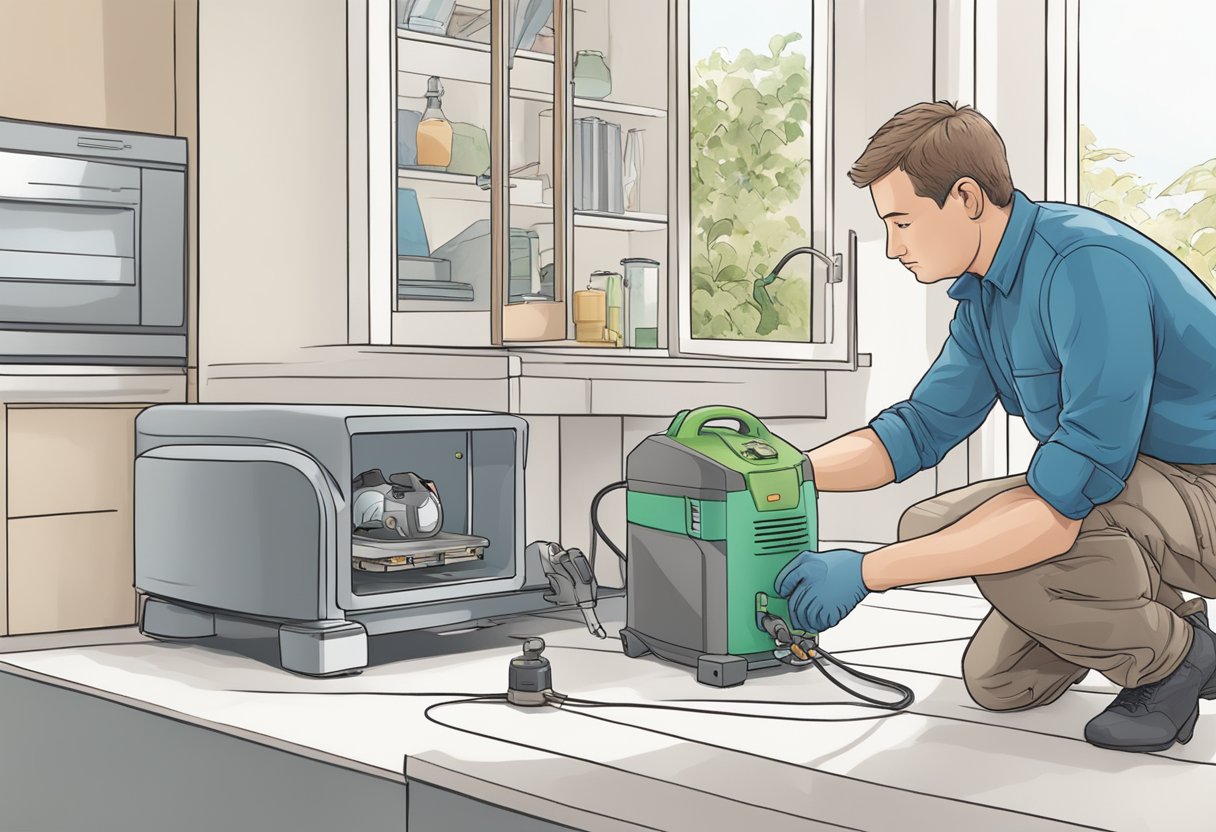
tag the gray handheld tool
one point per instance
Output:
(572, 582)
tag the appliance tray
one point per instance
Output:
(379, 554)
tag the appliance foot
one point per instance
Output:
(323, 648)
(163, 620)
(632, 645)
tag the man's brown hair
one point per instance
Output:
(937, 144)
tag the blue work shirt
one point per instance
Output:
(1101, 340)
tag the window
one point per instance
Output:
(754, 173)
(1146, 140)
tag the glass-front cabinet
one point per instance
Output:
(532, 182)
(567, 171)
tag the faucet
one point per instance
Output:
(835, 264)
(764, 301)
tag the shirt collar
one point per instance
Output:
(1009, 253)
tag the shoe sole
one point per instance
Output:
(1182, 737)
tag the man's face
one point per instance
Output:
(933, 243)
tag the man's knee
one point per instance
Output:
(985, 684)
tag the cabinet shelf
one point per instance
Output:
(620, 222)
(619, 108)
(468, 62)
(464, 187)
(458, 186)
(404, 34)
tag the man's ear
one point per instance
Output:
(969, 192)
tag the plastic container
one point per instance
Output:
(641, 302)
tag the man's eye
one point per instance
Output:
(902, 224)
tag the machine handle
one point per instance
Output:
(689, 423)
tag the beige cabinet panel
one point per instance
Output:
(94, 63)
(71, 572)
(69, 459)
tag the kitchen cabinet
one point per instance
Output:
(70, 516)
(97, 63)
(557, 168)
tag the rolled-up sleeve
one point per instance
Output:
(949, 402)
(1099, 312)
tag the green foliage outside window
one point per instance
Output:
(1189, 235)
(750, 159)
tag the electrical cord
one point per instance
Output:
(599, 530)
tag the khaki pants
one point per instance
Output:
(1110, 603)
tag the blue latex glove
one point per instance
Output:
(822, 588)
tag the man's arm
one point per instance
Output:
(1013, 530)
(856, 461)
(947, 405)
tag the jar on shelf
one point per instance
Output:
(641, 302)
(592, 77)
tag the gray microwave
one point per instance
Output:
(92, 246)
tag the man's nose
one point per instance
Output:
(895, 248)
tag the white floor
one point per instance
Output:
(945, 764)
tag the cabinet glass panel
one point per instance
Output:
(619, 187)
(532, 296)
(751, 181)
(443, 168)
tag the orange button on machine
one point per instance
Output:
(772, 498)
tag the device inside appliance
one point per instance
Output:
(398, 524)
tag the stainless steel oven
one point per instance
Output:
(92, 246)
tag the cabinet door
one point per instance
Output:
(446, 89)
(618, 140)
(71, 572)
(70, 517)
(536, 238)
(69, 459)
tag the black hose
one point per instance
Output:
(908, 697)
(598, 529)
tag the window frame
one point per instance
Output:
(837, 346)
(1063, 182)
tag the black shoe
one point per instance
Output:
(1200, 620)
(1152, 717)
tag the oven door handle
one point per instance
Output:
(99, 143)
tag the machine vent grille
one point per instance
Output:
(780, 535)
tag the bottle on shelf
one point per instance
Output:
(434, 131)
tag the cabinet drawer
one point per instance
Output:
(71, 572)
(69, 459)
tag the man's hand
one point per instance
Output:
(822, 588)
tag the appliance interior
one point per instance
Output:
(474, 479)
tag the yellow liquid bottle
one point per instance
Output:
(434, 131)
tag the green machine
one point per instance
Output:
(714, 513)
